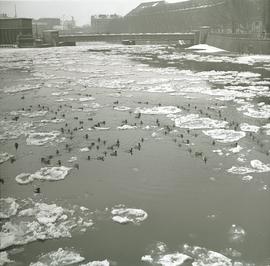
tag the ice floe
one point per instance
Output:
(97, 263)
(189, 255)
(41, 221)
(45, 173)
(236, 149)
(256, 167)
(174, 259)
(72, 159)
(236, 233)
(126, 127)
(58, 258)
(13, 130)
(5, 157)
(21, 88)
(41, 138)
(4, 258)
(101, 128)
(249, 128)
(85, 149)
(9, 207)
(125, 215)
(121, 108)
(259, 112)
(86, 99)
(247, 178)
(55, 121)
(205, 257)
(193, 121)
(165, 110)
(224, 135)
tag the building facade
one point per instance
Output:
(101, 23)
(224, 16)
(11, 28)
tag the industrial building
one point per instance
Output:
(13, 29)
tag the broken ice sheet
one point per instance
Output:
(188, 255)
(13, 129)
(8, 207)
(41, 221)
(41, 138)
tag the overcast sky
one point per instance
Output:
(80, 9)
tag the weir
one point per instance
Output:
(191, 38)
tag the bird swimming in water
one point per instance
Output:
(16, 145)
(37, 190)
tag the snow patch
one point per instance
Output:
(205, 48)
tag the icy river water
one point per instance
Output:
(134, 155)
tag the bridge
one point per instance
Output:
(190, 38)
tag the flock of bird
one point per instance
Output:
(99, 149)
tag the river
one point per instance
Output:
(134, 155)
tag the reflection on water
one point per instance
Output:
(108, 152)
